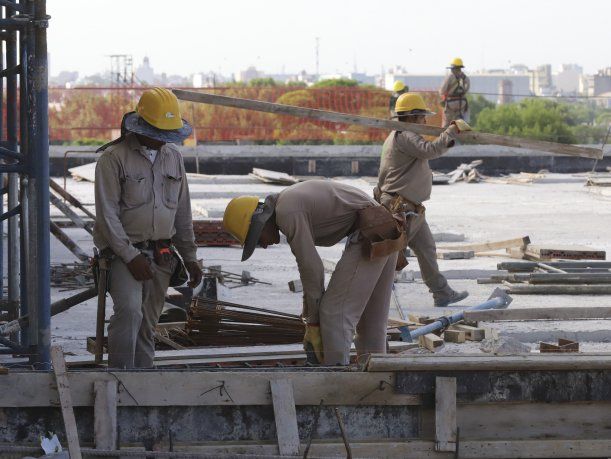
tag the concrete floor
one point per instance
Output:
(558, 209)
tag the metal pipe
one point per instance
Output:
(68, 243)
(498, 300)
(68, 212)
(4, 14)
(39, 182)
(71, 199)
(24, 246)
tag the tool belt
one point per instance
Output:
(101, 261)
(382, 232)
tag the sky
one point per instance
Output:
(277, 36)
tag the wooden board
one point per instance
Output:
(489, 246)
(285, 416)
(445, 414)
(379, 123)
(471, 333)
(279, 178)
(65, 400)
(430, 341)
(524, 289)
(481, 362)
(576, 252)
(105, 414)
(567, 313)
(454, 336)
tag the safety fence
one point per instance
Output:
(94, 114)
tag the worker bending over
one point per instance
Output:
(322, 213)
(405, 182)
(143, 215)
(453, 94)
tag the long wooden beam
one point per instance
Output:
(563, 313)
(379, 123)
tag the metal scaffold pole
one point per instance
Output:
(25, 160)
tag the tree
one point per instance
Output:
(476, 105)
(258, 82)
(346, 82)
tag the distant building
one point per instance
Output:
(250, 73)
(566, 81)
(144, 73)
(505, 92)
(541, 82)
(64, 79)
(486, 83)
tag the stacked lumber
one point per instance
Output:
(467, 173)
(211, 233)
(560, 278)
(220, 323)
(460, 332)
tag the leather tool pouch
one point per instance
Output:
(162, 253)
(179, 275)
(101, 261)
(382, 232)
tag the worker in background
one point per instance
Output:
(398, 88)
(453, 94)
(322, 213)
(405, 182)
(143, 223)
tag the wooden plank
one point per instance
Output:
(565, 252)
(523, 289)
(105, 414)
(203, 388)
(460, 255)
(482, 362)
(296, 286)
(471, 333)
(379, 123)
(445, 414)
(520, 266)
(65, 399)
(454, 336)
(430, 341)
(567, 278)
(568, 313)
(285, 416)
(488, 246)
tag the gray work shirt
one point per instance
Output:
(138, 200)
(404, 167)
(317, 213)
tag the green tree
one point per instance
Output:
(476, 105)
(258, 82)
(345, 82)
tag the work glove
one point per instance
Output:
(461, 125)
(195, 273)
(140, 267)
(312, 341)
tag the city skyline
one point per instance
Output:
(277, 39)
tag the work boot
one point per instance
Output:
(454, 297)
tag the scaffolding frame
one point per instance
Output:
(24, 177)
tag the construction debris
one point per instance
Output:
(564, 345)
(85, 172)
(504, 346)
(228, 277)
(563, 252)
(70, 276)
(460, 255)
(273, 177)
(467, 173)
(211, 233)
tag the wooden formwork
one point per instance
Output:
(416, 406)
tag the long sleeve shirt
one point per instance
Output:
(317, 213)
(404, 167)
(139, 200)
(453, 87)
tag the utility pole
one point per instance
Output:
(317, 56)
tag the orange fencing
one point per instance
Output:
(82, 114)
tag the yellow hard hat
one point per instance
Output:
(159, 107)
(238, 215)
(456, 62)
(411, 104)
(398, 86)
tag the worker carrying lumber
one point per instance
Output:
(453, 94)
(405, 182)
(322, 213)
(144, 224)
(398, 88)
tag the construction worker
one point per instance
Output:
(405, 182)
(322, 213)
(453, 94)
(143, 223)
(398, 88)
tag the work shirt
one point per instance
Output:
(317, 213)
(404, 166)
(139, 197)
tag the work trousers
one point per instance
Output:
(423, 245)
(452, 115)
(355, 305)
(136, 310)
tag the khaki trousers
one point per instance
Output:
(452, 115)
(136, 310)
(423, 245)
(356, 300)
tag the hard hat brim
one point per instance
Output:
(136, 124)
(414, 113)
(456, 67)
(257, 223)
